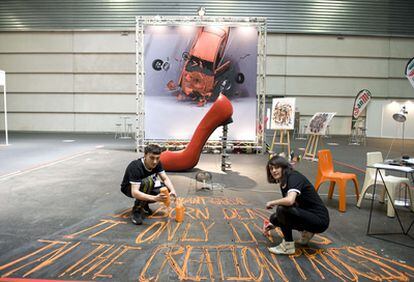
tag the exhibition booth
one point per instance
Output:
(197, 75)
(247, 164)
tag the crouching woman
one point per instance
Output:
(300, 209)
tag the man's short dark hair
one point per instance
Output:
(153, 149)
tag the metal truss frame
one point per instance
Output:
(258, 145)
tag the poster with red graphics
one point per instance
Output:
(187, 67)
(409, 71)
(361, 101)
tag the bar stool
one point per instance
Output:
(362, 134)
(327, 134)
(129, 130)
(205, 179)
(302, 130)
(118, 130)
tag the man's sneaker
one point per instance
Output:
(147, 209)
(136, 215)
(284, 248)
(305, 237)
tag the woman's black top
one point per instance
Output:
(307, 198)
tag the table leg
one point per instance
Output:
(372, 201)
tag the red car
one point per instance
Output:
(202, 77)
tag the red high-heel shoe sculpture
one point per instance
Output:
(219, 114)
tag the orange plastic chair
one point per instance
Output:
(326, 173)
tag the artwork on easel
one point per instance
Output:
(319, 123)
(283, 114)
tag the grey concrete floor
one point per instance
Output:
(63, 217)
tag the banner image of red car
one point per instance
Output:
(187, 67)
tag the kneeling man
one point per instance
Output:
(140, 182)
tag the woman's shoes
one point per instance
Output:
(284, 248)
(306, 236)
(288, 248)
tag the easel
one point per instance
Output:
(283, 134)
(311, 147)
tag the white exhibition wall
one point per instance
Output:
(388, 127)
(85, 80)
(3, 91)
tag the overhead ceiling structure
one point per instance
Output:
(340, 17)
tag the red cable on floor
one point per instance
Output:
(350, 166)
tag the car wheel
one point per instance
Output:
(157, 64)
(240, 78)
(185, 56)
(225, 85)
(166, 66)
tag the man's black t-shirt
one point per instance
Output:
(135, 173)
(307, 198)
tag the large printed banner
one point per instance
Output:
(409, 71)
(361, 101)
(187, 67)
(283, 114)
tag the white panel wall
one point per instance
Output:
(35, 63)
(29, 121)
(39, 103)
(388, 127)
(103, 42)
(325, 73)
(349, 46)
(85, 80)
(401, 48)
(104, 83)
(36, 42)
(39, 83)
(98, 103)
(68, 81)
(119, 63)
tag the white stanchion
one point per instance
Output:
(3, 83)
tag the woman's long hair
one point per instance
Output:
(278, 161)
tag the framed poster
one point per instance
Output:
(319, 123)
(187, 67)
(283, 113)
